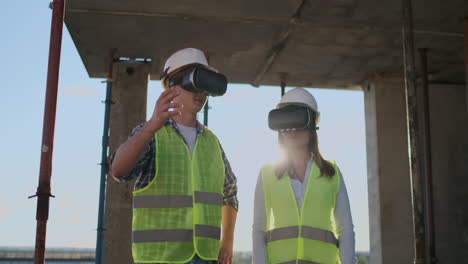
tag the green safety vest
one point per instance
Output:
(178, 214)
(305, 236)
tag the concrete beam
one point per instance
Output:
(390, 223)
(129, 95)
(310, 24)
(279, 45)
(180, 16)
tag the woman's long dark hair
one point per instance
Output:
(326, 167)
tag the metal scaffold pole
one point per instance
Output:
(466, 59)
(101, 227)
(426, 156)
(413, 127)
(283, 83)
(205, 114)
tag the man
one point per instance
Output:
(185, 188)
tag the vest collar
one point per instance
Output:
(174, 125)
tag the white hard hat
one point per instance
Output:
(181, 59)
(300, 96)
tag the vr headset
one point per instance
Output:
(291, 117)
(200, 79)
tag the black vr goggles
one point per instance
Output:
(291, 117)
(200, 79)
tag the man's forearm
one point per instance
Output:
(229, 222)
(128, 153)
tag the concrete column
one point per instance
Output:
(449, 140)
(129, 95)
(390, 223)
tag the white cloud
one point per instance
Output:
(4, 212)
(79, 91)
(70, 210)
(88, 240)
(83, 219)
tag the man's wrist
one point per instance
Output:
(149, 128)
(227, 239)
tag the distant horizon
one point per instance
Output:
(93, 249)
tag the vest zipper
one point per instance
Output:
(194, 210)
(300, 214)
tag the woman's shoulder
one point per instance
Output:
(268, 169)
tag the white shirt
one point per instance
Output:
(189, 134)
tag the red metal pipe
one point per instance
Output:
(43, 190)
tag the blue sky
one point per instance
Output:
(238, 118)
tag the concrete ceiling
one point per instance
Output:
(320, 43)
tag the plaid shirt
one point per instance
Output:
(144, 170)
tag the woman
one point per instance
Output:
(301, 210)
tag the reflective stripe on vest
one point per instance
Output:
(306, 232)
(300, 235)
(178, 214)
(176, 201)
(208, 198)
(299, 261)
(175, 235)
